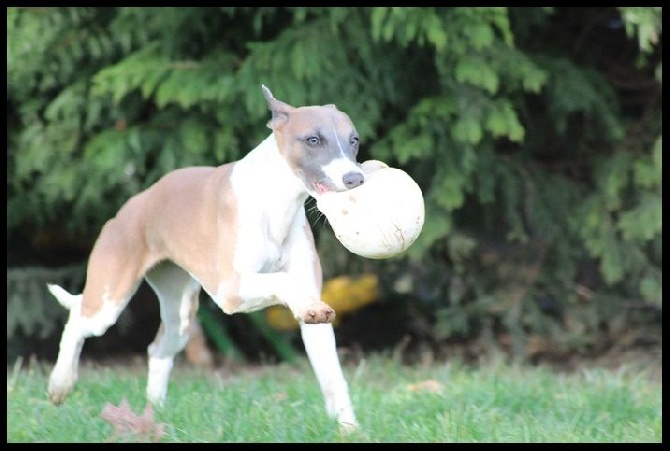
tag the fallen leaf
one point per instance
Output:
(127, 424)
(430, 385)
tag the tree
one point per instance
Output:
(535, 134)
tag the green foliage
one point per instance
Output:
(643, 23)
(514, 121)
(31, 309)
(621, 222)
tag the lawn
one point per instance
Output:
(394, 403)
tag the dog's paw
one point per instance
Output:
(347, 428)
(317, 313)
(57, 394)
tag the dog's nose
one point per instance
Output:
(353, 179)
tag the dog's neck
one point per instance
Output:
(268, 189)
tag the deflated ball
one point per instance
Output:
(380, 218)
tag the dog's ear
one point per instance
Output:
(280, 110)
(331, 105)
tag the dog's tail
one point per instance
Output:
(64, 298)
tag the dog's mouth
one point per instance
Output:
(320, 188)
(324, 186)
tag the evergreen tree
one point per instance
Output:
(535, 134)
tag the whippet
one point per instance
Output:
(238, 231)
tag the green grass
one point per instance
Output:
(282, 403)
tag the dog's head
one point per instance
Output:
(320, 143)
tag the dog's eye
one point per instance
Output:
(354, 141)
(313, 140)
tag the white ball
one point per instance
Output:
(380, 218)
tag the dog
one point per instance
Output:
(239, 231)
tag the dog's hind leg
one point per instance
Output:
(114, 271)
(91, 314)
(64, 373)
(178, 295)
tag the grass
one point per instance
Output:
(394, 403)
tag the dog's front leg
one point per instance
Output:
(319, 339)
(258, 290)
(247, 292)
(319, 342)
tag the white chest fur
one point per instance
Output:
(270, 208)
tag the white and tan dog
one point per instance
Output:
(238, 231)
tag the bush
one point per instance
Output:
(535, 134)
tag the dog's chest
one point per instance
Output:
(273, 257)
(269, 222)
(264, 243)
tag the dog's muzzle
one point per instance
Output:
(353, 179)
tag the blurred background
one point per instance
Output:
(534, 133)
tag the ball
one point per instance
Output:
(380, 218)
